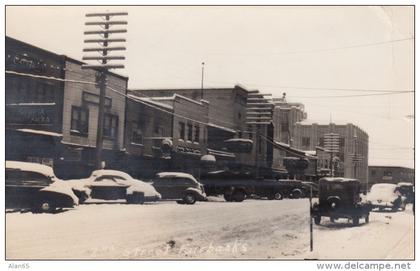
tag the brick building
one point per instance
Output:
(352, 146)
(228, 119)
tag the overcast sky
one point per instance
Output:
(311, 53)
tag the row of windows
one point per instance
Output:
(189, 132)
(306, 142)
(80, 123)
(21, 91)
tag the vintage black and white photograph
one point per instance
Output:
(209, 133)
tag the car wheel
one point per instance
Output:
(278, 196)
(238, 196)
(403, 206)
(227, 197)
(355, 220)
(367, 219)
(189, 198)
(317, 220)
(297, 193)
(44, 206)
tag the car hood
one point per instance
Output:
(61, 187)
(380, 195)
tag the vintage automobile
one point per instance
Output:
(386, 195)
(406, 190)
(35, 187)
(179, 186)
(105, 184)
(340, 198)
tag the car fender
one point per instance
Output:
(195, 191)
(61, 190)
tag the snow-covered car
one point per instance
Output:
(108, 184)
(35, 186)
(179, 186)
(385, 195)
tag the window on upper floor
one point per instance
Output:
(79, 121)
(189, 132)
(306, 141)
(110, 126)
(136, 134)
(182, 130)
(197, 134)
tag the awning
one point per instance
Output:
(221, 127)
(221, 153)
(293, 151)
(39, 132)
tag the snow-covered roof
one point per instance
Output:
(174, 174)
(335, 179)
(39, 132)
(102, 172)
(405, 184)
(26, 166)
(151, 101)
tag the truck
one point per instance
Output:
(238, 187)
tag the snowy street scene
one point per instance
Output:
(284, 134)
(253, 229)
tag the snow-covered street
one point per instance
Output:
(252, 229)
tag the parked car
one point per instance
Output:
(108, 184)
(179, 186)
(406, 190)
(308, 186)
(340, 198)
(34, 186)
(386, 195)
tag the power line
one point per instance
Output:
(356, 95)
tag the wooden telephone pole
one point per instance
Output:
(104, 31)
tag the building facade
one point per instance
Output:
(350, 151)
(228, 118)
(285, 116)
(52, 111)
(390, 174)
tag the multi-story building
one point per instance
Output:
(228, 118)
(285, 116)
(350, 151)
(52, 108)
(390, 174)
(165, 133)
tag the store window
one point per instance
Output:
(79, 121)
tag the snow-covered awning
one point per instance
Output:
(293, 151)
(221, 153)
(221, 127)
(39, 132)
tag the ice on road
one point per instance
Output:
(259, 229)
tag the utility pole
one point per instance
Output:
(104, 40)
